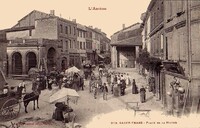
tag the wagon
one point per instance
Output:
(9, 105)
(10, 108)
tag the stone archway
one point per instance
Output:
(31, 61)
(51, 58)
(17, 63)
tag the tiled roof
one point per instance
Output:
(17, 29)
(134, 41)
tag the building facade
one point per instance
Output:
(153, 37)
(182, 52)
(3, 55)
(70, 42)
(171, 33)
(125, 46)
(65, 32)
(24, 54)
(89, 50)
(81, 39)
(105, 48)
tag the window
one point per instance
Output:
(61, 28)
(166, 43)
(74, 44)
(74, 30)
(84, 45)
(66, 44)
(70, 44)
(162, 44)
(81, 45)
(70, 31)
(80, 33)
(66, 30)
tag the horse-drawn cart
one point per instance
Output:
(10, 108)
(9, 104)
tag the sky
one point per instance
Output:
(117, 12)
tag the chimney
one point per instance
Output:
(123, 26)
(74, 20)
(52, 12)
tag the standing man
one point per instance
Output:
(142, 94)
(105, 91)
(123, 87)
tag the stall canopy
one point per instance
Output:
(63, 94)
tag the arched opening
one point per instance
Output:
(17, 63)
(31, 61)
(64, 63)
(51, 58)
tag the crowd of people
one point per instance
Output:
(104, 82)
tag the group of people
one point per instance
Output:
(116, 82)
(108, 81)
(56, 79)
(119, 82)
(10, 91)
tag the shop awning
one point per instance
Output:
(173, 67)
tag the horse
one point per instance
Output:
(32, 96)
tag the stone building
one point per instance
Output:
(93, 35)
(81, 41)
(65, 32)
(125, 45)
(171, 33)
(3, 56)
(51, 39)
(24, 54)
(181, 54)
(105, 48)
(153, 36)
(38, 25)
(89, 51)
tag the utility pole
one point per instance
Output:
(189, 52)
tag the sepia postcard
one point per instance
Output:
(100, 64)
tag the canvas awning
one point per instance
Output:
(173, 67)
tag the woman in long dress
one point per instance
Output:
(142, 94)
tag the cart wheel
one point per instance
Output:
(3, 126)
(10, 110)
